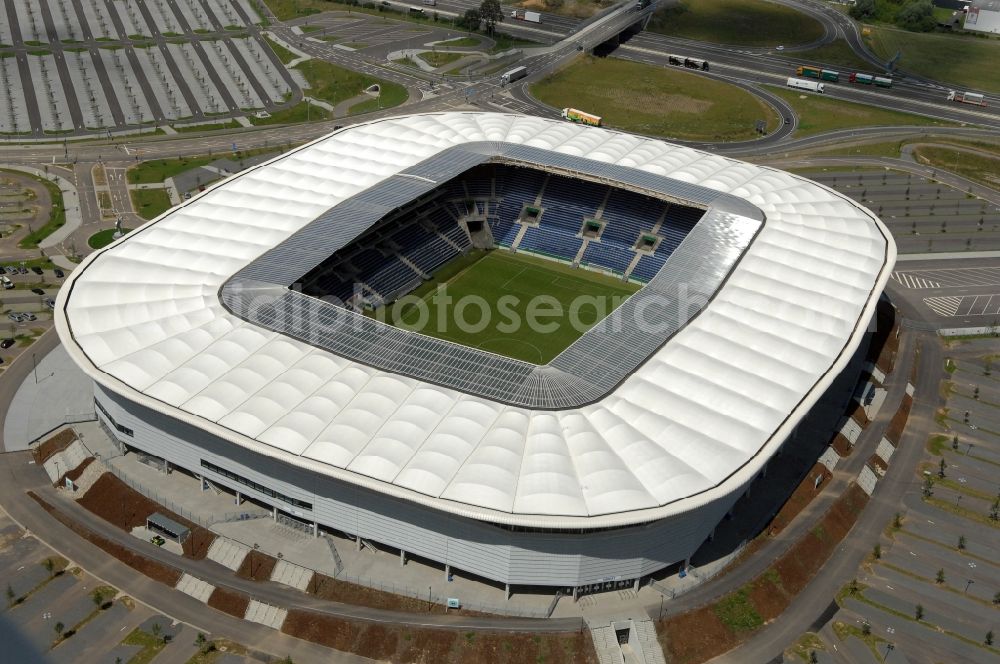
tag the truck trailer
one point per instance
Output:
(811, 86)
(573, 115)
(523, 15)
(513, 75)
(967, 98)
(816, 72)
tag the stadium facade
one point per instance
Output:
(614, 460)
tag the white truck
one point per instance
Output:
(811, 86)
(967, 98)
(523, 15)
(514, 74)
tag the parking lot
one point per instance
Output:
(89, 65)
(939, 562)
(27, 298)
(51, 616)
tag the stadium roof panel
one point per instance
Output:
(703, 413)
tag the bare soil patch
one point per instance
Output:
(229, 601)
(53, 445)
(122, 506)
(898, 423)
(841, 445)
(800, 498)
(151, 568)
(328, 588)
(257, 566)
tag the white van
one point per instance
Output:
(7, 283)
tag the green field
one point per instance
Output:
(486, 299)
(964, 61)
(334, 84)
(150, 203)
(818, 114)
(743, 22)
(101, 239)
(977, 167)
(440, 58)
(656, 101)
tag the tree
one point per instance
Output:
(862, 9)
(813, 657)
(941, 468)
(156, 629)
(10, 596)
(928, 488)
(996, 597)
(939, 578)
(492, 13)
(918, 612)
(854, 586)
(954, 443)
(917, 16)
(50, 566)
(866, 628)
(989, 638)
(201, 642)
(470, 20)
(961, 542)
(877, 552)
(897, 521)
(59, 627)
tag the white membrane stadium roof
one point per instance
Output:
(699, 417)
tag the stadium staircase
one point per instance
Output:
(227, 553)
(631, 266)
(194, 587)
(265, 614)
(518, 238)
(413, 266)
(606, 645)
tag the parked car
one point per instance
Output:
(59, 273)
(49, 302)
(38, 291)
(29, 316)
(7, 343)
(3, 270)
(37, 270)
(7, 283)
(23, 270)
(16, 317)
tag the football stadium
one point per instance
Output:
(531, 351)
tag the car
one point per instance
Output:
(7, 283)
(788, 121)
(23, 270)
(3, 270)
(49, 302)
(59, 273)
(16, 317)
(38, 291)
(29, 316)
(781, 48)
(1, 360)
(37, 270)
(158, 541)
(7, 343)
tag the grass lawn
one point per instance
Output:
(836, 54)
(151, 646)
(393, 94)
(818, 114)
(334, 84)
(101, 239)
(744, 22)
(505, 42)
(966, 62)
(978, 168)
(150, 203)
(57, 217)
(655, 100)
(208, 127)
(298, 113)
(885, 149)
(440, 58)
(501, 325)
(283, 53)
(573, 8)
(158, 170)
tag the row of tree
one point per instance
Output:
(916, 15)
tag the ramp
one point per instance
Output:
(200, 590)
(265, 614)
(227, 553)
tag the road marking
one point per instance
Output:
(945, 306)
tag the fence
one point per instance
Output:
(161, 499)
(700, 577)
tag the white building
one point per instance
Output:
(983, 16)
(615, 460)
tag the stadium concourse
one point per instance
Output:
(237, 338)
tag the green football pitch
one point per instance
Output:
(516, 305)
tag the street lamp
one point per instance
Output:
(889, 647)
(968, 582)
